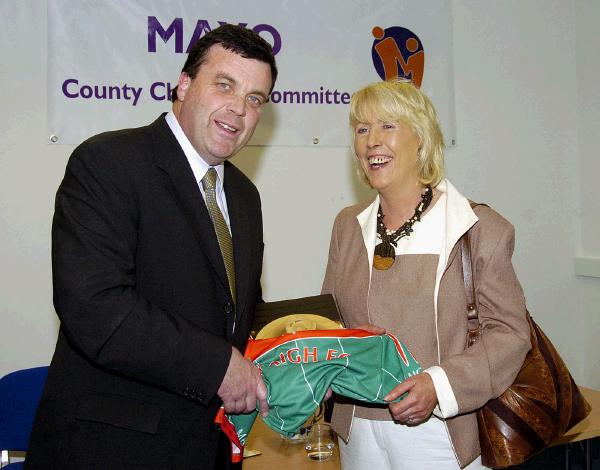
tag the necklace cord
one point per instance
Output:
(384, 253)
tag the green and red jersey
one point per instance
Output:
(298, 368)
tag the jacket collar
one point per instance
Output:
(240, 224)
(367, 220)
(181, 183)
(460, 217)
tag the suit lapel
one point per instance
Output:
(180, 182)
(238, 217)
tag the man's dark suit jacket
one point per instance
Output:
(146, 312)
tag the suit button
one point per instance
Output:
(228, 308)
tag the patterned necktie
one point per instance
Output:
(221, 229)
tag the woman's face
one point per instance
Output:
(387, 152)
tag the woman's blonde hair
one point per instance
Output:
(401, 101)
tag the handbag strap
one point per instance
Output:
(467, 266)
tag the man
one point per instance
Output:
(153, 315)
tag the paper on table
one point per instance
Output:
(251, 452)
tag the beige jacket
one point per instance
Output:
(474, 375)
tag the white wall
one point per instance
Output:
(516, 107)
(525, 146)
(30, 171)
(588, 126)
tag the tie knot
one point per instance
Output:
(210, 179)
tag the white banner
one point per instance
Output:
(112, 64)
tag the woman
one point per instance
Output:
(393, 263)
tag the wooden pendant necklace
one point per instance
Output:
(385, 252)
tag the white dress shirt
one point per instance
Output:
(199, 165)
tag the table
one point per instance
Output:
(279, 454)
(585, 430)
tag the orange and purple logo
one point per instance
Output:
(398, 52)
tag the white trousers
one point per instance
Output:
(385, 445)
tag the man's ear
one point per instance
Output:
(182, 85)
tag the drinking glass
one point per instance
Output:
(319, 444)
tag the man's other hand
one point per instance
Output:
(242, 386)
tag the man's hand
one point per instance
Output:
(418, 405)
(242, 386)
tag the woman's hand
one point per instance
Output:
(418, 405)
(376, 330)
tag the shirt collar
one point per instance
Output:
(198, 164)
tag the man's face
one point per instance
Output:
(220, 108)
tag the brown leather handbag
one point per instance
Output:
(542, 403)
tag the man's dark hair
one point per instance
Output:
(238, 39)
